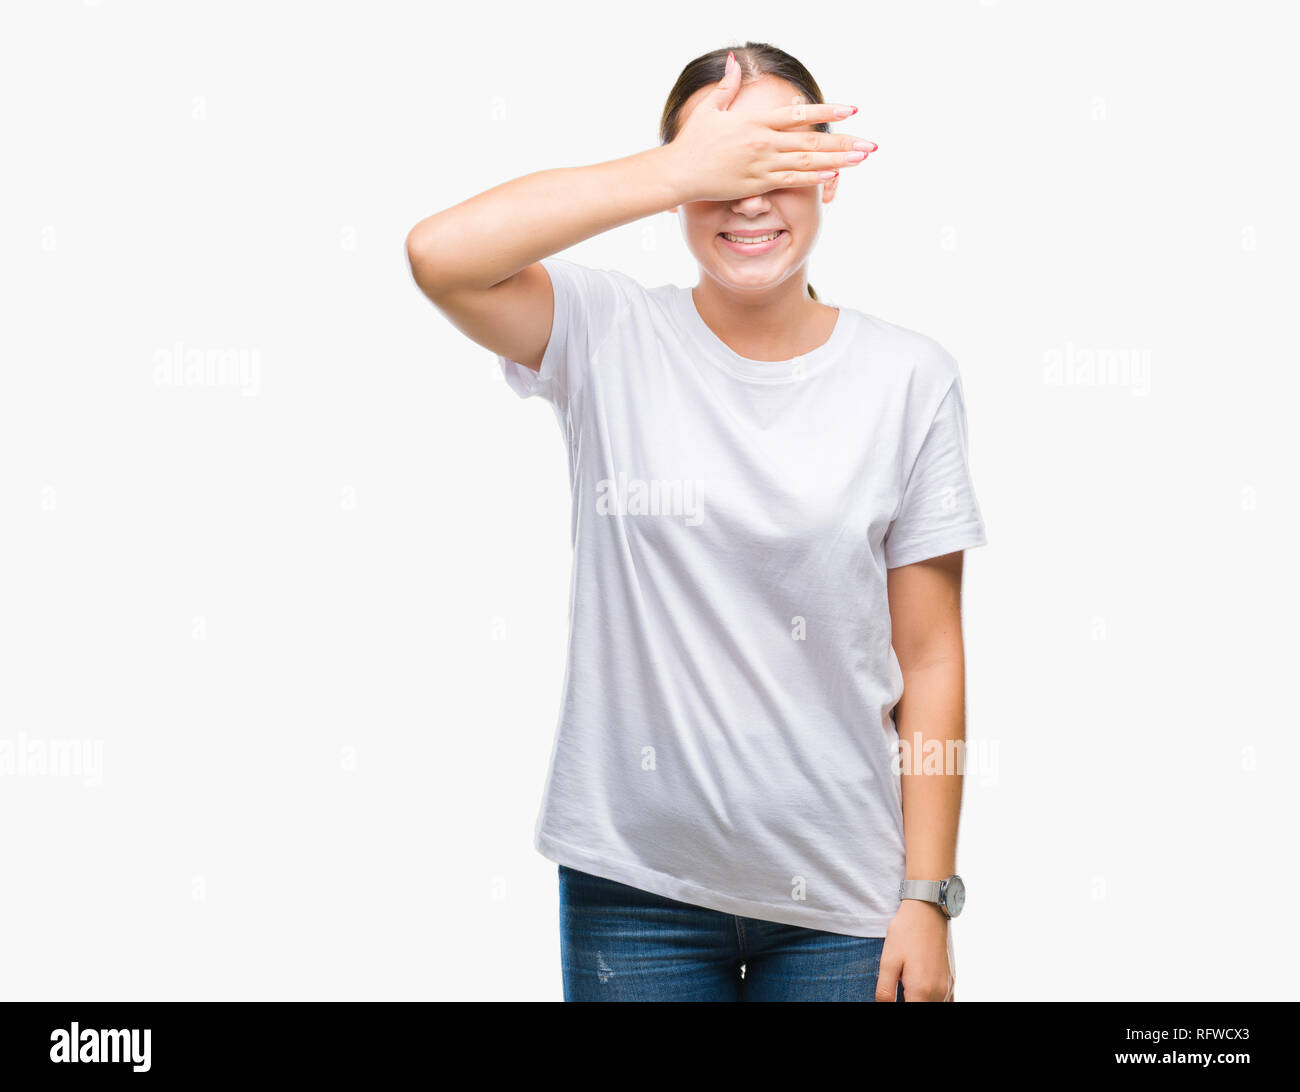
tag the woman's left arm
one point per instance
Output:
(925, 609)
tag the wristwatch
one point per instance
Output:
(950, 894)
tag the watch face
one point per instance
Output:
(954, 895)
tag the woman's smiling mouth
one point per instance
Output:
(753, 242)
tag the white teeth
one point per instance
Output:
(750, 239)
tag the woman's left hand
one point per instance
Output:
(917, 952)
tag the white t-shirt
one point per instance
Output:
(726, 735)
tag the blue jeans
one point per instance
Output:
(619, 943)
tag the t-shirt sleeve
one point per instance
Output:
(587, 304)
(939, 513)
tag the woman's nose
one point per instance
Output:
(756, 203)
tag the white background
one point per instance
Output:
(312, 625)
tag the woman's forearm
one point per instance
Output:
(932, 732)
(491, 236)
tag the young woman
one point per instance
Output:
(770, 502)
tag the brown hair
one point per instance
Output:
(756, 59)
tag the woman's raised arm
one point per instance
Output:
(477, 261)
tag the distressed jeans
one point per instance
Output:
(619, 943)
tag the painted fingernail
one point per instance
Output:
(731, 57)
(826, 176)
(864, 145)
(845, 111)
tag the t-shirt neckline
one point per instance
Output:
(762, 371)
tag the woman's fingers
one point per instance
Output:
(727, 87)
(818, 151)
(821, 142)
(808, 113)
(814, 151)
(816, 161)
(787, 180)
(890, 974)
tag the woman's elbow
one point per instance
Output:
(421, 253)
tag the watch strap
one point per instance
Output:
(925, 890)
